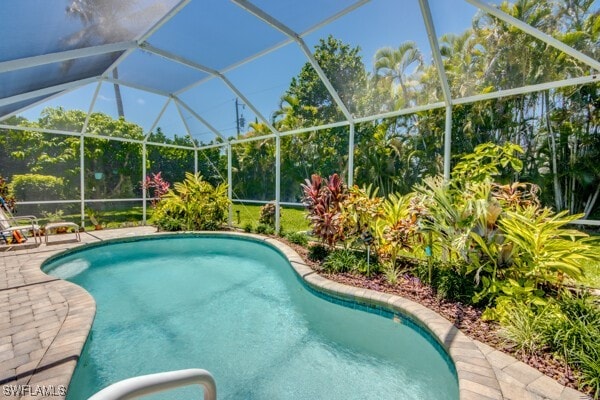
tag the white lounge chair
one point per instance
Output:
(62, 224)
(22, 223)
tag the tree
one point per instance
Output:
(394, 64)
(343, 66)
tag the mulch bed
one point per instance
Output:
(465, 317)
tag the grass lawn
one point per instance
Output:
(292, 219)
(107, 218)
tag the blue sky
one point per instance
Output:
(218, 33)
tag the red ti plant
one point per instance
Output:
(323, 199)
(158, 185)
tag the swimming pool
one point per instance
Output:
(236, 308)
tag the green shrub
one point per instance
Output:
(568, 326)
(391, 274)
(34, 187)
(317, 252)
(298, 238)
(539, 252)
(248, 228)
(194, 204)
(525, 329)
(263, 229)
(589, 368)
(367, 268)
(451, 285)
(170, 224)
(577, 327)
(446, 280)
(340, 261)
(267, 214)
(573, 334)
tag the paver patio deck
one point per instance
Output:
(44, 323)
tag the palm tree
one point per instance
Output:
(394, 64)
(463, 63)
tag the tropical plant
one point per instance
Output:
(264, 229)
(576, 327)
(323, 200)
(298, 238)
(94, 216)
(535, 255)
(391, 273)
(360, 209)
(516, 195)
(156, 187)
(318, 252)
(194, 203)
(267, 214)
(525, 329)
(396, 230)
(450, 218)
(345, 260)
(56, 216)
(486, 163)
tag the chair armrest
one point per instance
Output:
(31, 218)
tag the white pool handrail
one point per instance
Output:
(147, 384)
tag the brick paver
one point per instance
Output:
(44, 322)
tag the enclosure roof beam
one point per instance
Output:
(277, 46)
(140, 40)
(435, 49)
(438, 105)
(268, 19)
(166, 18)
(27, 107)
(529, 89)
(289, 40)
(173, 57)
(212, 146)
(185, 124)
(248, 103)
(136, 86)
(158, 117)
(496, 12)
(252, 139)
(91, 108)
(147, 47)
(91, 136)
(199, 118)
(29, 62)
(313, 129)
(46, 91)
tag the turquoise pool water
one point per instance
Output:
(236, 308)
